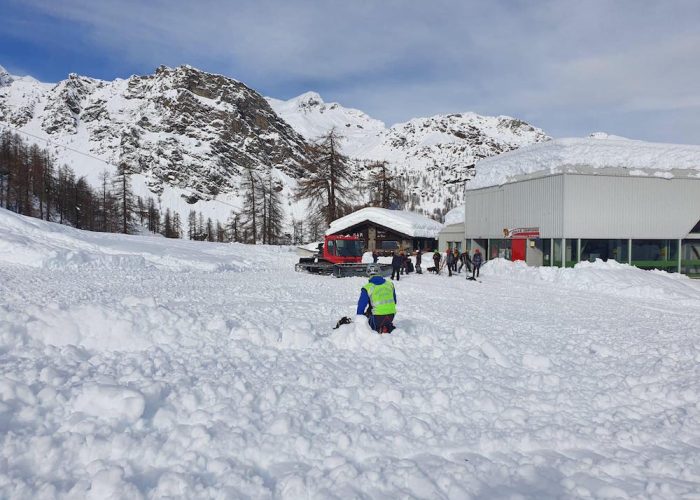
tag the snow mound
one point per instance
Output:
(580, 154)
(609, 277)
(410, 223)
(36, 243)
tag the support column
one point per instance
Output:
(563, 253)
(551, 252)
(578, 250)
(680, 247)
(629, 251)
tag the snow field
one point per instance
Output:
(218, 375)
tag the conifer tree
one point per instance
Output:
(233, 227)
(384, 188)
(125, 198)
(253, 202)
(177, 226)
(326, 186)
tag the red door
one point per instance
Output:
(518, 249)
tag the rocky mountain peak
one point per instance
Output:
(5, 78)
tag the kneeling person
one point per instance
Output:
(378, 302)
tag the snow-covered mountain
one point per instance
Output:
(189, 135)
(180, 127)
(434, 155)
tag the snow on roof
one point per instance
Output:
(579, 155)
(410, 223)
(455, 216)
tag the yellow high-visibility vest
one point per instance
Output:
(381, 297)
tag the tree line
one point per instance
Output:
(32, 184)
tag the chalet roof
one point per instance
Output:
(409, 223)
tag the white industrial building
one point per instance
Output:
(567, 200)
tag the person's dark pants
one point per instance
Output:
(437, 266)
(395, 271)
(449, 269)
(469, 268)
(476, 270)
(377, 323)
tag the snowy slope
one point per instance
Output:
(311, 117)
(594, 152)
(434, 155)
(146, 368)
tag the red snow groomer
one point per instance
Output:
(340, 256)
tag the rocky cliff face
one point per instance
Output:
(181, 127)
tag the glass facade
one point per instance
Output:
(545, 246)
(571, 252)
(605, 250)
(655, 254)
(455, 244)
(499, 249)
(690, 258)
(557, 253)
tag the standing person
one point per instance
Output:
(375, 256)
(465, 260)
(396, 266)
(378, 302)
(419, 257)
(455, 259)
(476, 261)
(449, 260)
(404, 260)
(436, 260)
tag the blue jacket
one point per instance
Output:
(396, 261)
(364, 298)
(476, 259)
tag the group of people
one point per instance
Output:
(453, 257)
(378, 297)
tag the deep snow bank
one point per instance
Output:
(184, 379)
(609, 277)
(37, 243)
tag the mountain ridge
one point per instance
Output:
(191, 134)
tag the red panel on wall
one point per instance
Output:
(518, 249)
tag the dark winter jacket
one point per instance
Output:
(363, 302)
(436, 259)
(465, 258)
(450, 258)
(419, 257)
(476, 259)
(396, 261)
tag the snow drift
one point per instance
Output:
(212, 371)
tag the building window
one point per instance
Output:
(655, 254)
(571, 252)
(604, 250)
(544, 245)
(499, 249)
(389, 245)
(690, 258)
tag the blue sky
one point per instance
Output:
(627, 67)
